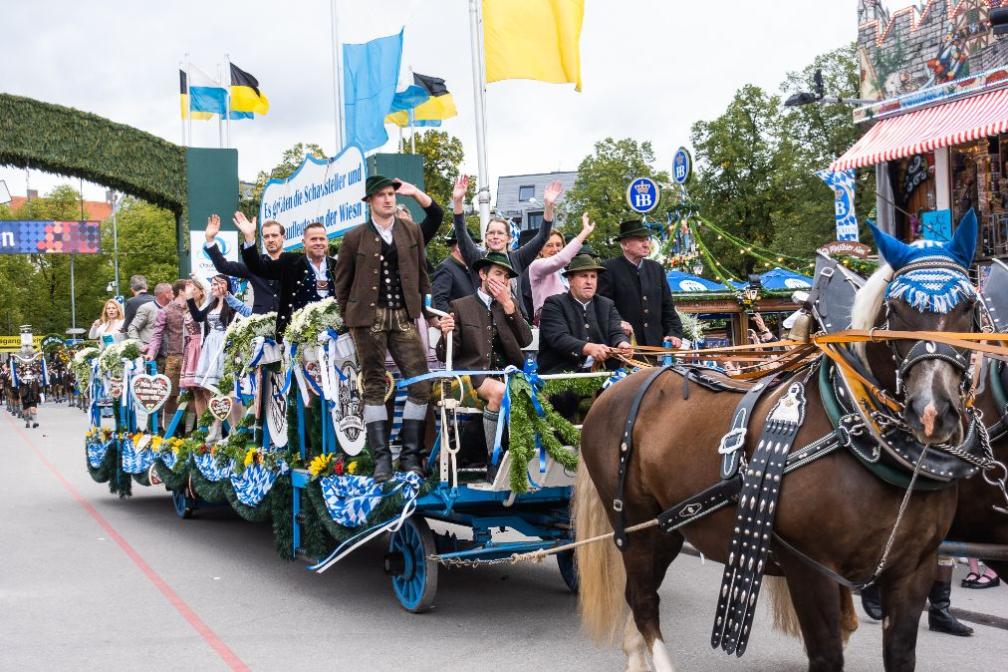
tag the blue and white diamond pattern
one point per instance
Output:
(936, 290)
(211, 470)
(136, 461)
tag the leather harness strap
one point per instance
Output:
(626, 450)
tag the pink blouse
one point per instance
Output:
(546, 275)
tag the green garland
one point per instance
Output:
(207, 490)
(59, 139)
(554, 430)
(174, 481)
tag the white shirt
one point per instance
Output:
(589, 360)
(386, 234)
(484, 297)
(320, 276)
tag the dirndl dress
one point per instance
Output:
(211, 357)
(191, 352)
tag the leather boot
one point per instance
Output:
(940, 619)
(411, 435)
(871, 601)
(377, 440)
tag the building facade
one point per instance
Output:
(520, 197)
(938, 135)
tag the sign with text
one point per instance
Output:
(323, 190)
(49, 237)
(13, 343)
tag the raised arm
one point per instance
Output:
(433, 214)
(540, 268)
(225, 266)
(238, 305)
(527, 253)
(469, 250)
(254, 262)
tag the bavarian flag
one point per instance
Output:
(533, 39)
(245, 93)
(438, 105)
(184, 99)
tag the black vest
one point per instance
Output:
(390, 294)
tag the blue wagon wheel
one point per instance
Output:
(184, 506)
(568, 570)
(414, 574)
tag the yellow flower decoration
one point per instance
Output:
(156, 442)
(319, 464)
(352, 467)
(250, 456)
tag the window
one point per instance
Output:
(533, 220)
(526, 192)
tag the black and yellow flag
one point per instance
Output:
(439, 106)
(245, 93)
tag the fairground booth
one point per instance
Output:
(938, 136)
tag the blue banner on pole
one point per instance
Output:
(842, 184)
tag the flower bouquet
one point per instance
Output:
(110, 361)
(80, 366)
(240, 344)
(309, 323)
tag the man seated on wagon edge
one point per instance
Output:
(579, 329)
(488, 333)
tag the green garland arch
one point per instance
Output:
(58, 139)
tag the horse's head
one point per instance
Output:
(923, 287)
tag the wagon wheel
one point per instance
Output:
(414, 574)
(184, 506)
(568, 570)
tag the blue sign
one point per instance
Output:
(642, 195)
(682, 165)
(842, 184)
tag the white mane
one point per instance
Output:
(868, 303)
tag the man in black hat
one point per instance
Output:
(488, 333)
(380, 281)
(452, 279)
(638, 287)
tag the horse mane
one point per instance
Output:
(868, 303)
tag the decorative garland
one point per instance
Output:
(110, 361)
(80, 366)
(308, 323)
(239, 346)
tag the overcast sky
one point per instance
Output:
(650, 69)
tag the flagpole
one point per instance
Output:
(227, 103)
(220, 122)
(479, 91)
(412, 132)
(338, 130)
(183, 118)
(188, 84)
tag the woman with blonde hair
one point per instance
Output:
(106, 329)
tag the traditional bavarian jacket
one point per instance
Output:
(642, 297)
(371, 273)
(565, 326)
(299, 283)
(485, 338)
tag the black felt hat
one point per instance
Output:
(633, 228)
(377, 182)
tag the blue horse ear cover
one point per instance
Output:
(960, 249)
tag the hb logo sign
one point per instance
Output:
(642, 195)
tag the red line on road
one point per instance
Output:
(227, 655)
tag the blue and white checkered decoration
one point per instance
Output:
(351, 499)
(934, 290)
(96, 452)
(211, 470)
(168, 458)
(135, 461)
(254, 483)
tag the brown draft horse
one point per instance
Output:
(833, 509)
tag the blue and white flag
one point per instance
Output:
(842, 184)
(205, 93)
(370, 76)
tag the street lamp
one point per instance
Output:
(819, 96)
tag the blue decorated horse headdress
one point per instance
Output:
(934, 288)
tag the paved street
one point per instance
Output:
(92, 582)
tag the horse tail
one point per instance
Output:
(601, 575)
(785, 618)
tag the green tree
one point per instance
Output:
(600, 189)
(757, 162)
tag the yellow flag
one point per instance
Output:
(533, 39)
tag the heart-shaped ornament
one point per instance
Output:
(115, 387)
(220, 407)
(151, 392)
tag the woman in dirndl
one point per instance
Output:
(192, 334)
(215, 317)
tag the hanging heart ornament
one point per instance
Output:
(220, 407)
(151, 392)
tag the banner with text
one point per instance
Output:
(842, 184)
(49, 237)
(319, 190)
(200, 262)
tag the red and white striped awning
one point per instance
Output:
(927, 130)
